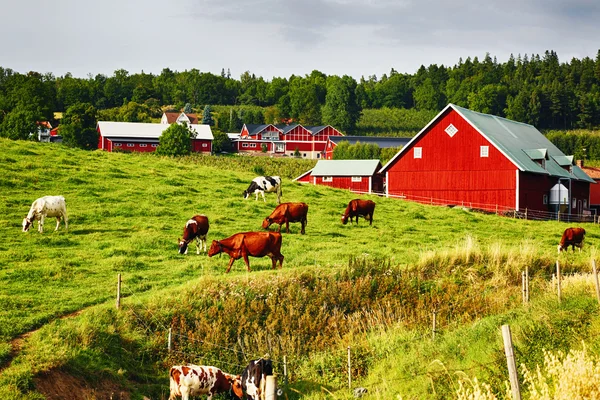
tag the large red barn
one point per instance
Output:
(355, 175)
(487, 162)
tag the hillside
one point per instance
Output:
(373, 288)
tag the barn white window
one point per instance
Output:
(143, 145)
(451, 130)
(252, 144)
(118, 144)
(545, 199)
(244, 144)
(574, 203)
(357, 179)
(130, 145)
(484, 151)
(328, 179)
(418, 152)
(584, 203)
(204, 145)
(154, 145)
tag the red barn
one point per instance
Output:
(486, 162)
(354, 175)
(144, 137)
(593, 173)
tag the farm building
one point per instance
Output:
(285, 139)
(593, 173)
(175, 117)
(144, 137)
(355, 175)
(487, 162)
(381, 142)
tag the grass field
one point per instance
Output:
(126, 212)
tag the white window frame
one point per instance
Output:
(418, 152)
(484, 151)
(143, 145)
(574, 203)
(327, 179)
(204, 144)
(130, 144)
(154, 145)
(585, 204)
(357, 179)
(118, 144)
(245, 144)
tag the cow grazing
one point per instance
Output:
(195, 380)
(285, 213)
(255, 244)
(254, 378)
(359, 208)
(572, 237)
(195, 228)
(47, 206)
(262, 184)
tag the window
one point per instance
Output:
(118, 144)
(574, 203)
(545, 199)
(252, 144)
(584, 203)
(154, 145)
(357, 179)
(143, 145)
(484, 151)
(327, 179)
(318, 155)
(204, 145)
(418, 152)
(451, 130)
(130, 145)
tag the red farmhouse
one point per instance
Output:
(355, 175)
(381, 142)
(484, 161)
(310, 141)
(144, 137)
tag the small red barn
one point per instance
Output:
(144, 137)
(466, 157)
(354, 175)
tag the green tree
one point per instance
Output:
(187, 108)
(78, 126)
(341, 109)
(134, 112)
(176, 140)
(207, 116)
(221, 142)
(20, 124)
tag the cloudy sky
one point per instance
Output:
(278, 38)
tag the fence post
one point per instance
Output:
(510, 360)
(433, 328)
(285, 378)
(558, 216)
(525, 213)
(169, 341)
(270, 388)
(527, 284)
(523, 286)
(514, 213)
(595, 271)
(118, 291)
(349, 371)
(496, 209)
(558, 280)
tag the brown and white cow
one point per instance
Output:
(254, 378)
(359, 208)
(47, 206)
(195, 228)
(255, 244)
(286, 213)
(572, 237)
(193, 380)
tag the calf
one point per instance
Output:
(194, 380)
(47, 206)
(254, 378)
(264, 184)
(255, 244)
(359, 208)
(572, 237)
(285, 213)
(195, 228)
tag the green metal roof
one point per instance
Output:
(346, 167)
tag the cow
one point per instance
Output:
(195, 228)
(47, 206)
(572, 237)
(193, 380)
(359, 208)
(244, 244)
(285, 213)
(264, 184)
(254, 378)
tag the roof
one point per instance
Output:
(521, 143)
(304, 174)
(382, 142)
(316, 129)
(285, 128)
(173, 116)
(592, 172)
(255, 129)
(110, 129)
(233, 136)
(346, 167)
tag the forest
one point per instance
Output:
(535, 89)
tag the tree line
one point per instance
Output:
(534, 89)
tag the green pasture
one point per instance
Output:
(126, 212)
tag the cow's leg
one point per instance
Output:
(245, 255)
(198, 245)
(371, 219)
(287, 226)
(256, 193)
(57, 223)
(66, 219)
(231, 260)
(41, 223)
(279, 229)
(303, 222)
(263, 195)
(185, 392)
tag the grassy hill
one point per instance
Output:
(373, 288)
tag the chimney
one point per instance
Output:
(579, 163)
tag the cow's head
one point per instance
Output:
(183, 246)
(27, 224)
(344, 219)
(267, 222)
(246, 194)
(215, 248)
(560, 248)
(236, 387)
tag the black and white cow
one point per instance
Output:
(264, 184)
(254, 378)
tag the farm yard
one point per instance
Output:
(373, 289)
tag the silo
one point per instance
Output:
(559, 198)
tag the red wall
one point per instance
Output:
(299, 133)
(451, 169)
(306, 179)
(595, 193)
(344, 182)
(198, 146)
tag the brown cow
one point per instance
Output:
(255, 244)
(362, 208)
(194, 380)
(195, 228)
(286, 213)
(572, 237)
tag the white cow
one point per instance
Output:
(264, 184)
(47, 206)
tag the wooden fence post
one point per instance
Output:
(510, 360)
(525, 213)
(349, 371)
(433, 328)
(527, 284)
(514, 213)
(496, 209)
(523, 287)
(285, 378)
(118, 291)
(595, 271)
(271, 388)
(169, 341)
(558, 280)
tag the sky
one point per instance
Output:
(280, 38)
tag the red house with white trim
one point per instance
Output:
(484, 161)
(144, 137)
(355, 175)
